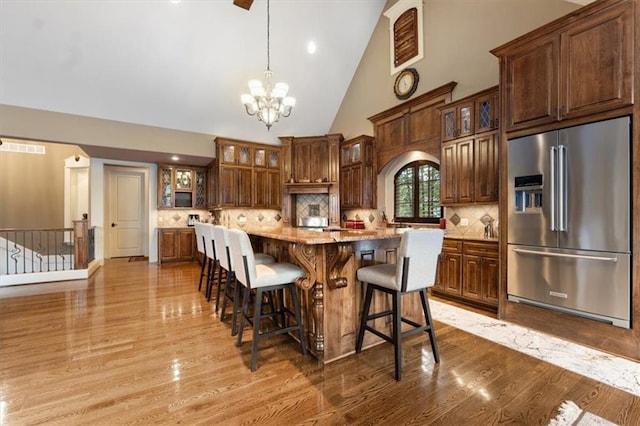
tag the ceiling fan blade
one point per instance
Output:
(245, 4)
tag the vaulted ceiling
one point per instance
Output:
(182, 64)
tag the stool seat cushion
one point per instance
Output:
(263, 258)
(383, 275)
(276, 274)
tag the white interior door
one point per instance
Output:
(125, 218)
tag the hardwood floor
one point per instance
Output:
(137, 344)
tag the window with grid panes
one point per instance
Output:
(417, 193)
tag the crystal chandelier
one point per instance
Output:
(268, 102)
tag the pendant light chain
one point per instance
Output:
(268, 26)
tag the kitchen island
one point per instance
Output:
(332, 297)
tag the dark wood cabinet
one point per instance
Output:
(468, 271)
(457, 121)
(449, 276)
(561, 72)
(485, 177)
(457, 172)
(246, 174)
(410, 126)
(311, 165)
(487, 111)
(310, 159)
(182, 187)
(267, 188)
(480, 277)
(228, 188)
(469, 165)
(357, 174)
(176, 244)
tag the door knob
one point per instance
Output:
(113, 225)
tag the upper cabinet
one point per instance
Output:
(246, 174)
(182, 187)
(457, 121)
(311, 165)
(469, 162)
(570, 68)
(413, 125)
(487, 112)
(357, 174)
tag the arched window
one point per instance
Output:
(417, 193)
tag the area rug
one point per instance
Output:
(572, 415)
(138, 259)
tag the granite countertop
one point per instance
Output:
(296, 235)
(173, 227)
(457, 236)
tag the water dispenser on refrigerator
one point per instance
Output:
(528, 194)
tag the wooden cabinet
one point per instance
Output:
(246, 175)
(487, 111)
(485, 168)
(480, 276)
(449, 276)
(468, 271)
(469, 165)
(267, 188)
(570, 68)
(310, 159)
(413, 125)
(357, 174)
(456, 172)
(176, 244)
(457, 121)
(182, 187)
(313, 162)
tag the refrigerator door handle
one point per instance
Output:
(562, 188)
(565, 255)
(552, 156)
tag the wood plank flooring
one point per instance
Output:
(138, 344)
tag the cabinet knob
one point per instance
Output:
(113, 225)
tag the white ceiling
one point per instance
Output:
(181, 65)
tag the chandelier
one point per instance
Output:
(268, 102)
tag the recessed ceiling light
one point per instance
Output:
(175, 157)
(174, 1)
(311, 47)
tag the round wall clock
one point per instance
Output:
(406, 83)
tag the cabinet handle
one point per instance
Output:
(497, 122)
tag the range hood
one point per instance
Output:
(308, 188)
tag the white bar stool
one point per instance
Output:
(415, 271)
(200, 245)
(210, 252)
(221, 244)
(273, 277)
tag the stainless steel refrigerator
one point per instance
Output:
(569, 221)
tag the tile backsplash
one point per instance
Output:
(476, 216)
(178, 218)
(251, 218)
(312, 205)
(372, 218)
